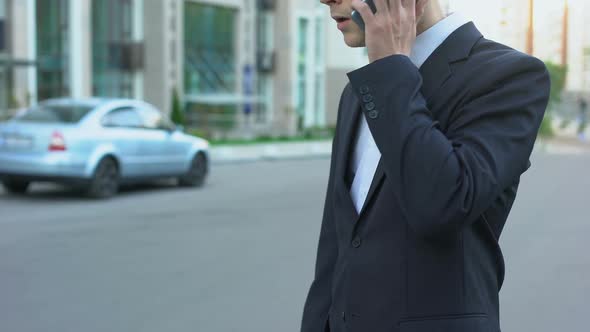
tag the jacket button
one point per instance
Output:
(364, 89)
(374, 114)
(356, 242)
(367, 98)
(370, 106)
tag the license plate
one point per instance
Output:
(12, 142)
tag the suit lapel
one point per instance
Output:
(351, 112)
(350, 118)
(377, 178)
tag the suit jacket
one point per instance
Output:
(455, 136)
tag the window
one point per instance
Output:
(122, 117)
(209, 52)
(2, 25)
(55, 114)
(112, 34)
(53, 48)
(153, 119)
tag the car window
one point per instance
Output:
(123, 117)
(154, 119)
(54, 114)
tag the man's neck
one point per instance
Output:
(432, 15)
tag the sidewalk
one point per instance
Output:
(566, 140)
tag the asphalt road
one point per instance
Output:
(238, 254)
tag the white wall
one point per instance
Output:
(20, 50)
(80, 31)
(579, 38)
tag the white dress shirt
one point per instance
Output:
(366, 154)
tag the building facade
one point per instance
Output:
(243, 67)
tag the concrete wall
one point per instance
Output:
(578, 79)
(80, 31)
(19, 48)
(155, 77)
(283, 108)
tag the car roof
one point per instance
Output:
(88, 102)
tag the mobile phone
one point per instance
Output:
(357, 18)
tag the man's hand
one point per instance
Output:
(392, 29)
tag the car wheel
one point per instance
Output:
(105, 181)
(15, 186)
(195, 177)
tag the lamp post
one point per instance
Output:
(531, 29)
(564, 35)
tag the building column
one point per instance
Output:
(80, 48)
(32, 50)
(138, 37)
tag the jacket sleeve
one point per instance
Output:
(319, 298)
(445, 180)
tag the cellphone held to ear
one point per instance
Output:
(357, 18)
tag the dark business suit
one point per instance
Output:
(455, 137)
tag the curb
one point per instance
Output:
(322, 149)
(271, 152)
(562, 146)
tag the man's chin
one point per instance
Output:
(352, 40)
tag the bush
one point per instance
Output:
(558, 74)
(546, 129)
(177, 111)
(199, 133)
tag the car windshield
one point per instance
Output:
(55, 114)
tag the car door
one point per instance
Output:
(176, 147)
(157, 146)
(123, 127)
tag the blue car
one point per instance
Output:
(97, 144)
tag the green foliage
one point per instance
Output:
(318, 132)
(558, 75)
(224, 116)
(13, 102)
(546, 129)
(199, 133)
(565, 123)
(177, 110)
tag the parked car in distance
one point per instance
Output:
(97, 144)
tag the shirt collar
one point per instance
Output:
(428, 41)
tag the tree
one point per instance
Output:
(177, 109)
(557, 73)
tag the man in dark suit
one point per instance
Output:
(432, 138)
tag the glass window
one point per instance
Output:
(112, 29)
(154, 119)
(123, 117)
(52, 48)
(55, 114)
(209, 52)
(2, 25)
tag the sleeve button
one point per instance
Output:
(356, 243)
(374, 114)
